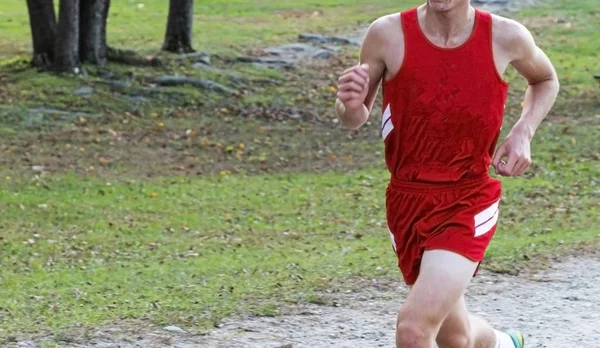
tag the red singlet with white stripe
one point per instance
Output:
(443, 110)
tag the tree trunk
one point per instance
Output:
(42, 20)
(67, 40)
(179, 27)
(92, 31)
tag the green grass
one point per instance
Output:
(570, 33)
(190, 250)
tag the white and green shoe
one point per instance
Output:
(517, 338)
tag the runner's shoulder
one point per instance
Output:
(385, 30)
(510, 35)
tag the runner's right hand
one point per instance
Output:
(353, 86)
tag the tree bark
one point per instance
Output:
(42, 20)
(178, 38)
(92, 31)
(67, 40)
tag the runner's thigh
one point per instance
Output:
(443, 279)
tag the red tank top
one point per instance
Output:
(443, 110)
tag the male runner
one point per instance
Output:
(441, 68)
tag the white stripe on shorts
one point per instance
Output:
(393, 239)
(486, 220)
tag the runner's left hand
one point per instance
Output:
(516, 147)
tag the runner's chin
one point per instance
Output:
(443, 5)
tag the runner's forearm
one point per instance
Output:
(352, 119)
(539, 99)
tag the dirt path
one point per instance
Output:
(556, 308)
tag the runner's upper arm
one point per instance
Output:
(526, 57)
(373, 52)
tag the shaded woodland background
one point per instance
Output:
(79, 33)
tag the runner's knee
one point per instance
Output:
(456, 330)
(412, 334)
(460, 339)
(416, 328)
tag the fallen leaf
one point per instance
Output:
(104, 161)
(191, 133)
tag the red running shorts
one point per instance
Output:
(459, 217)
